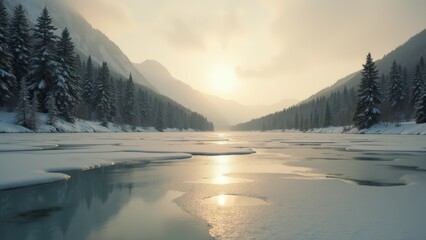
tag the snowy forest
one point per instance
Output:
(396, 96)
(41, 72)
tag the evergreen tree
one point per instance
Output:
(52, 113)
(143, 110)
(67, 86)
(7, 79)
(102, 94)
(113, 106)
(34, 109)
(421, 108)
(44, 69)
(20, 44)
(159, 125)
(23, 110)
(396, 88)
(88, 86)
(417, 86)
(369, 96)
(420, 104)
(129, 102)
(296, 121)
(327, 115)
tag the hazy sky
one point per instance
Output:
(256, 51)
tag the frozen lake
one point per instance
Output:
(212, 185)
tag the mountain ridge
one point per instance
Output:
(222, 112)
(84, 36)
(408, 53)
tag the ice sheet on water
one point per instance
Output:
(35, 159)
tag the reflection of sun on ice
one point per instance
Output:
(222, 78)
(222, 167)
(221, 200)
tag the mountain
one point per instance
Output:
(163, 81)
(407, 54)
(310, 112)
(236, 112)
(87, 40)
(158, 109)
(222, 112)
(90, 41)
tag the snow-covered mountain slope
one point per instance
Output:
(88, 41)
(163, 81)
(407, 55)
(221, 111)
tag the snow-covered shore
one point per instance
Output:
(403, 128)
(8, 125)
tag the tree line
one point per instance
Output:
(399, 95)
(41, 72)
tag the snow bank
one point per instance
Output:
(404, 128)
(8, 125)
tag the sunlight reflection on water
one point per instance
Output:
(225, 200)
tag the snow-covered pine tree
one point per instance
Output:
(88, 86)
(421, 108)
(396, 97)
(129, 102)
(44, 70)
(20, 44)
(52, 112)
(143, 107)
(114, 102)
(327, 115)
(23, 110)
(34, 117)
(417, 86)
(102, 96)
(7, 79)
(67, 84)
(369, 97)
(140, 98)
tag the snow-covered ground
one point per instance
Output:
(403, 128)
(8, 125)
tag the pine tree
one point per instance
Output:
(129, 101)
(34, 117)
(143, 107)
(23, 110)
(421, 108)
(7, 79)
(369, 96)
(102, 96)
(327, 115)
(20, 44)
(114, 102)
(52, 113)
(44, 69)
(417, 86)
(67, 85)
(296, 121)
(88, 86)
(159, 125)
(396, 89)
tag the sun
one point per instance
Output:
(222, 79)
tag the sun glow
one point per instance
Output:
(222, 79)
